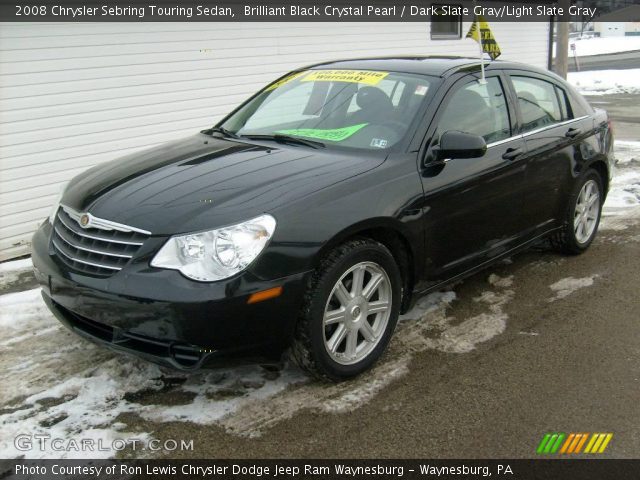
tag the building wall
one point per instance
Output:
(74, 95)
(617, 29)
(610, 29)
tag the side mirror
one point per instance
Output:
(455, 144)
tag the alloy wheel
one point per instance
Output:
(586, 212)
(357, 313)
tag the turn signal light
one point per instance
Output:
(265, 295)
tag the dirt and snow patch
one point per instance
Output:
(531, 334)
(426, 327)
(15, 275)
(627, 153)
(625, 190)
(622, 206)
(463, 337)
(15, 266)
(565, 287)
(503, 282)
(69, 388)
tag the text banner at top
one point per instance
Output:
(294, 11)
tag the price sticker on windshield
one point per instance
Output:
(349, 76)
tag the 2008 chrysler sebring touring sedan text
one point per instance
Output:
(314, 213)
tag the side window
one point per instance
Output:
(579, 106)
(538, 102)
(479, 109)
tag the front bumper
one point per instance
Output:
(166, 318)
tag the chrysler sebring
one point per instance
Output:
(314, 214)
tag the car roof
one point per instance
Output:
(440, 66)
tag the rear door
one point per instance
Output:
(472, 206)
(553, 135)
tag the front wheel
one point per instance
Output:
(583, 215)
(351, 309)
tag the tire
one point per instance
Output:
(331, 316)
(576, 235)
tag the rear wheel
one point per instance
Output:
(583, 215)
(351, 309)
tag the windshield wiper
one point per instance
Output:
(224, 131)
(278, 137)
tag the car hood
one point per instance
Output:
(204, 182)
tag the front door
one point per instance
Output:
(472, 207)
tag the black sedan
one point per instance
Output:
(314, 213)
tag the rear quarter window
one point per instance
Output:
(579, 105)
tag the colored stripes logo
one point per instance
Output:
(563, 443)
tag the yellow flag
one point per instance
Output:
(489, 44)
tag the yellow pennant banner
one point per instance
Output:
(489, 44)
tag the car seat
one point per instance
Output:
(375, 106)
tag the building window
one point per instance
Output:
(445, 26)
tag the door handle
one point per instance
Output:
(573, 132)
(512, 153)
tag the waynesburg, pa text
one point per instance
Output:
(289, 471)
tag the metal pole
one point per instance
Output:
(562, 42)
(483, 79)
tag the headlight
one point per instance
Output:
(216, 254)
(56, 204)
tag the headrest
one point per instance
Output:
(469, 101)
(372, 98)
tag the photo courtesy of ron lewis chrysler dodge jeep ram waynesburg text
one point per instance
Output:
(313, 214)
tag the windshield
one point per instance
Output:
(347, 108)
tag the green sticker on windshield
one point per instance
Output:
(333, 134)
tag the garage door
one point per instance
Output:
(74, 95)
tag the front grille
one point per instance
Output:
(99, 250)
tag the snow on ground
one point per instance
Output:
(57, 383)
(67, 387)
(605, 82)
(462, 337)
(602, 45)
(623, 201)
(565, 287)
(627, 153)
(11, 271)
(16, 266)
(625, 191)
(497, 281)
